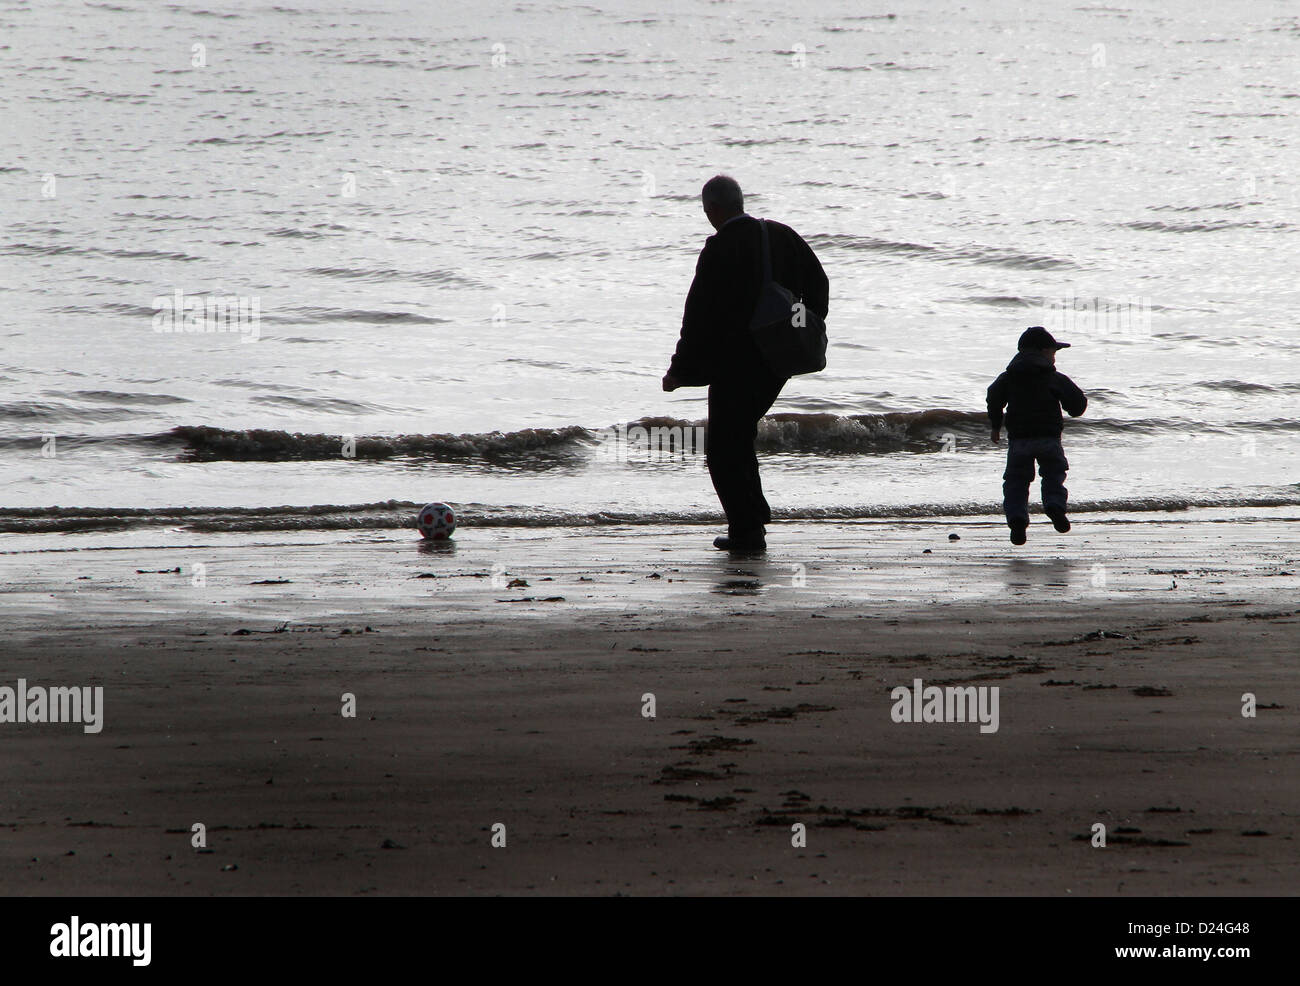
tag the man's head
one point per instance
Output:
(722, 199)
(1037, 339)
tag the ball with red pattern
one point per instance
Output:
(436, 521)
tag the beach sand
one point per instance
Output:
(1121, 653)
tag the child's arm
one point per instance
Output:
(1073, 399)
(996, 400)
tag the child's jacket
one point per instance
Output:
(1033, 393)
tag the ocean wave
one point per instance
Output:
(393, 515)
(807, 432)
(865, 433)
(50, 412)
(1155, 226)
(1247, 387)
(114, 308)
(432, 277)
(37, 249)
(329, 405)
(1005, 301)
(791, 432)
(206, 443)
(1200, 208)
(983, 255)
(118, 397)
(292, 233)
(872, 244)
(306, 315)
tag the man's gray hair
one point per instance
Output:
(724, 192)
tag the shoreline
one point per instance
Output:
(479, 704)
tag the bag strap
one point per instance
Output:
(765, 252)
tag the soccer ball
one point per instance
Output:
(436, 521)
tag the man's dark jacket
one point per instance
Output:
(1033, 392)
(728, 276)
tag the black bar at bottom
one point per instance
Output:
(215, 936)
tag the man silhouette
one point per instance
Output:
(716, 349)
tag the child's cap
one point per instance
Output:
(1037, 337)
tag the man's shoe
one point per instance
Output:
(754, 542)
(1060, 522)
(1018, 533)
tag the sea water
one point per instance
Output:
(468, 230)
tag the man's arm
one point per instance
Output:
(1072, 398)
(692, 362)
(996, 399)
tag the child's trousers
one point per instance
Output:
(1052, 466)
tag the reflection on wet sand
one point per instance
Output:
(741, 575)
(1038, 573)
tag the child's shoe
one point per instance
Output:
(1060, 522)
(1018, 533)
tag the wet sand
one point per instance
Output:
(1121, 653)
